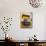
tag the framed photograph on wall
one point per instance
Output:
(26, 20)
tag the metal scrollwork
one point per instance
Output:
(35, 3)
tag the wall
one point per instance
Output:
(13, 8)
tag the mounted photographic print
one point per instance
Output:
(26, 20)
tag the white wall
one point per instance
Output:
(13, 8)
